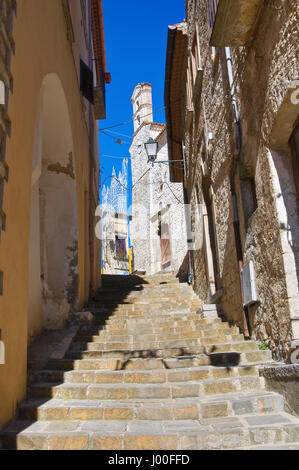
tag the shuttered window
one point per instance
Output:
(86, 82)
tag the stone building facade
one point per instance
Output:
(49, 168)
(158, 233)
(115, 224)
(235, 65)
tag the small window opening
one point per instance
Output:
(249, 201)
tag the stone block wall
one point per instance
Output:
(264, 71)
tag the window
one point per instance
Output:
(294, 143)
(189, 86)
(86, 82)
(120, 248)
(212, 6)
(213, 53)
(248, 194)
(195, 55)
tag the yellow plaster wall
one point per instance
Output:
(41, 48)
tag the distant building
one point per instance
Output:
(159, 237)
(115, 227)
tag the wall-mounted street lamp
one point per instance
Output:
(151, 147)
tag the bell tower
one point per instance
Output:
(142, 104)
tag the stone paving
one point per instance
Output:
(152, 373)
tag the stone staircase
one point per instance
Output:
(151, 373)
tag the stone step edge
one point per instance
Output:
(66, 385)
(149, 371)
(223, 403)
(148, 436)
(130, 351)
(228, 339)
(202, 400)
(106, 334)
(192, 357)
(179, 346)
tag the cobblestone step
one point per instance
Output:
(157, 410)
(221, 433)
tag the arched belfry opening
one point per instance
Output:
(53, 271)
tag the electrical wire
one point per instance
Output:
(113, 156)
(132, 119)
(125, 187)
(165, 182)
(117, 133)
(120, 141)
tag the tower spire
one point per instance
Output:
(142, 104)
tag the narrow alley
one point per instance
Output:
(149, 227)
(162, 372)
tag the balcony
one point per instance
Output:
(232, 22)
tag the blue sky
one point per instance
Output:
(136, 40)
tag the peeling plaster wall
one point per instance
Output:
(39, 50)
(264, 73)
(53, 280)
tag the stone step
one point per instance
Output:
(158, 335)
(229, 359)
(221, 433)
(143, 309)
(155, 333)
(276, 446)
(156, 315)
(148, 325)
(159, 315)
(165, 322)
(156, 410)
(162, 281)
(158, 301)
(146, 376)
(161, 344)
(238, 347)
(127, 391)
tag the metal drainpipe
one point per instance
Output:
(91, 163)
(236, 222)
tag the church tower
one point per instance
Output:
(142, 105)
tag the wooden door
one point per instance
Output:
(165, 248)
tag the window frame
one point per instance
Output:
(196, 61)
